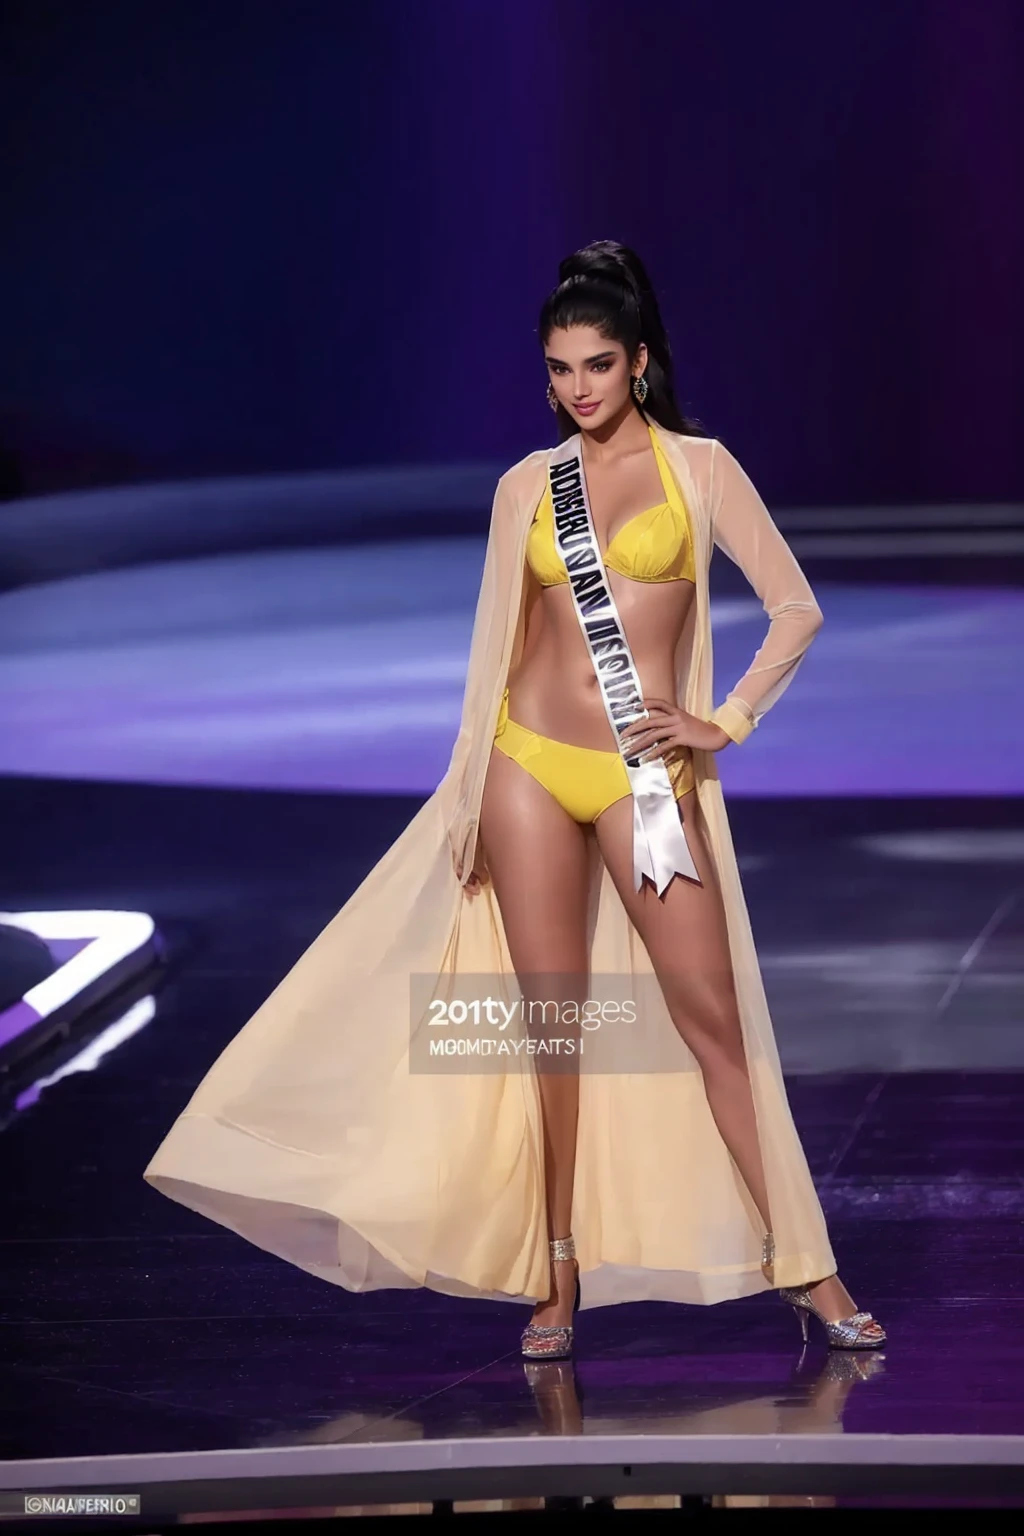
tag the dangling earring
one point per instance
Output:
(552, 397)
(640, 388)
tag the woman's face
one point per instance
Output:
(591, 375)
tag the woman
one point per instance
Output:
(578, 833)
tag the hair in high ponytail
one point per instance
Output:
(605, 285)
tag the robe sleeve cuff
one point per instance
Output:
(736, 725)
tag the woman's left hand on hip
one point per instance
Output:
(667, 728)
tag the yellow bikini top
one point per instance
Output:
(656, 545)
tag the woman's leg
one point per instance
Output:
(686, 936)
(537, 860)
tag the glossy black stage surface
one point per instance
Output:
(890, 934)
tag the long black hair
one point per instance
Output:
(605, 285)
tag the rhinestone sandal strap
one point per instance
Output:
(546, 1349)
(562, 1248)
(852, 1329)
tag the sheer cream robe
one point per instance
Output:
(311, 1137)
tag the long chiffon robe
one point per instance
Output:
(312, 1138)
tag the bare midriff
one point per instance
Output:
(553, 690)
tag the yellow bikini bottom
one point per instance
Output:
(584, 780)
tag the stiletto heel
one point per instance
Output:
(553, 1343)
(856, 1332)
(804, 1321)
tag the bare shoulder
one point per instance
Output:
(698, 451)
(695, 459)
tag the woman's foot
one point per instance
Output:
(835, 1304)
(550, 1329)
(556, 1312)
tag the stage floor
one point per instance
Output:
(890, 934)
(276, 670)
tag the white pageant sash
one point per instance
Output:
(659, 843)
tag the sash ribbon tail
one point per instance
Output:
(660, 849)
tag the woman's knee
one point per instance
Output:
(708, 1024)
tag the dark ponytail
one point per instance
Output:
(605, 285)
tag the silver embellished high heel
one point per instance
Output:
(553, 1343)
(856, 1332)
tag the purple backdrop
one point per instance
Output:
(255, 236)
